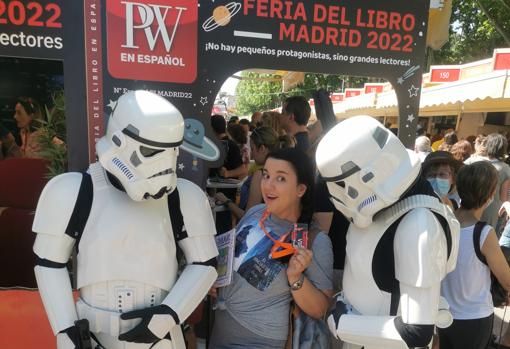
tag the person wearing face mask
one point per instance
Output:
(439, 169)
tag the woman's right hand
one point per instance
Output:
(300, 260)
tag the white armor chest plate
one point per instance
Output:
(126, 240)
(359, 286)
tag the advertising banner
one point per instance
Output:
(184, 50)
(31, 29)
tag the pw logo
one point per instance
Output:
(148, 13)
(152, 40)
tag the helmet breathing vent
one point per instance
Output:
(366, 202)
(124, 169)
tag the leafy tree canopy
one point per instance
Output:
(260, 92)
(257, 92)
(477, 27)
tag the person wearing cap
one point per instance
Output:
(439, 169)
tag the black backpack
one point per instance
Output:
(499, 294)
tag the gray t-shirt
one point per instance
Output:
(259, 296)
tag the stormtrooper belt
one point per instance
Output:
(103, 321)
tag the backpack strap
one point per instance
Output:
(405, 205)
(440, 210)
(81, 209)
(176, 219)
(477, 232)
(383, 262)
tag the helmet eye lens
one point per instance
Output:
(149, 152)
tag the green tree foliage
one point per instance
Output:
(258, 92)
(477, 27)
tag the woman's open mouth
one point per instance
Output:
(269, 198)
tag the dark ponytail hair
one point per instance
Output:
(303, 167)
(33, 110)
(30, 105)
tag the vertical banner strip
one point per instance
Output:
(94, 73)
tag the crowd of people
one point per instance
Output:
(276, 283)
(471, 176)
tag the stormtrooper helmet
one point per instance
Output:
(366, 168)
(140, 147)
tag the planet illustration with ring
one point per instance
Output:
(196, 143)
(221, 16)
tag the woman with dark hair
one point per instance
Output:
(269, 270)
(26, 113)
(263, 140)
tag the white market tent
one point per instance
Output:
(482, 86)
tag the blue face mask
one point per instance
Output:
(440, 186)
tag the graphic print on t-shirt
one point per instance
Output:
(251, 259)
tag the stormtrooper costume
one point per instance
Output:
(400, 245)
(125, 217)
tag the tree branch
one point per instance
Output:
(506, 4)
(492, 20)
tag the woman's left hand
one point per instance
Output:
(298, 263)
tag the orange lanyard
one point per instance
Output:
(280, 248)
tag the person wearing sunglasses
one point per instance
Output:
(270, 270)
